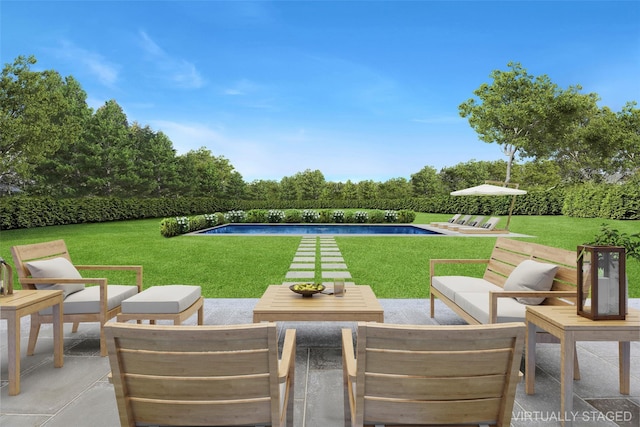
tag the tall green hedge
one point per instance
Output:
(587, 200)
(614, 201)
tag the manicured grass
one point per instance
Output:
(239, 267)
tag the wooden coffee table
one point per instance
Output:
(279, 303)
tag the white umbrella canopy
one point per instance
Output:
(492, 190)
(488, 190)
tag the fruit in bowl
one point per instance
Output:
(307, 289)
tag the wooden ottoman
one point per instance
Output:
(170, 302)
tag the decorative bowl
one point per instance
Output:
(307, 289)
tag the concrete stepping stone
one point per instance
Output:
(336, 275)
(300, 275)
(305, 259)
(330, 253)
(334, 266)
(331, 259)
(302, 266)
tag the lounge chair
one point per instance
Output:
(202, 375)
(476, 222)
(48, 266)
(487, 227)
(451, 220)
(431, 375)
(459, 221)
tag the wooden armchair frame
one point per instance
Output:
(57, 248)
(431, 375)
(202, 375)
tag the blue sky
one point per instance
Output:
(356, 89)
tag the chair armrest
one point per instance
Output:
(494, 295)
(288, 354)
(135, 268)
(433, 262)
(348, 355)
(47, 281)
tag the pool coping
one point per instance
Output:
(441, 232)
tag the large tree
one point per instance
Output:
(38, 112)
(522, 113)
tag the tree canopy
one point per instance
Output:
(52, 143)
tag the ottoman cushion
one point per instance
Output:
(162, 299)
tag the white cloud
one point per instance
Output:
(180, 72)
(105, 71)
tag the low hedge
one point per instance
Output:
(175, 226)
(613, 201)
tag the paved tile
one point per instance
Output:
(302, 266)
(331, 259)
(304, 259)
(300, 275)
(334, 266)
(79, 391)
(336, 274)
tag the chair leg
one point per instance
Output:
(576, 365)
(74, 329)
(103, 341)
(33, 334)
(432, 311)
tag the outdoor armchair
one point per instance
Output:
(431, 375)
(48, 265)
(202, 375)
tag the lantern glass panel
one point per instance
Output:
(608, 280)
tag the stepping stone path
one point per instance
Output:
(303, 266)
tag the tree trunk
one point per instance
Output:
(509, 151)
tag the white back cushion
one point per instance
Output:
(56, 268)
(531, 275)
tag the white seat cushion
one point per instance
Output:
(477, 305)
(162, 299)
(451, 285)
(88, 300)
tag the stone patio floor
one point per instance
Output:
(79, 394)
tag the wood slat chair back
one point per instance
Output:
(23, 254)
(201, 375)
(35, 252)
(432, 375)
(508, 254)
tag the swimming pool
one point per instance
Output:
(318, 229)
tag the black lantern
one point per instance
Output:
(602, 282)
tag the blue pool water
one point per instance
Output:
(317, 229)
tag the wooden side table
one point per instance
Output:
(564, 323)
(22, 303)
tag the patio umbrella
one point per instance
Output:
(491, 190)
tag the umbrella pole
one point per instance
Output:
(513, 202)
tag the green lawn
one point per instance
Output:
(232, 267)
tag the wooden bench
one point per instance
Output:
(484, 300)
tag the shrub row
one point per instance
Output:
(611, 201)
(175, 226)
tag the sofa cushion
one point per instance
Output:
(162, 299)
(88, 300)
(477, 305)
(450, 285)
(531, 275)
(59, 268)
